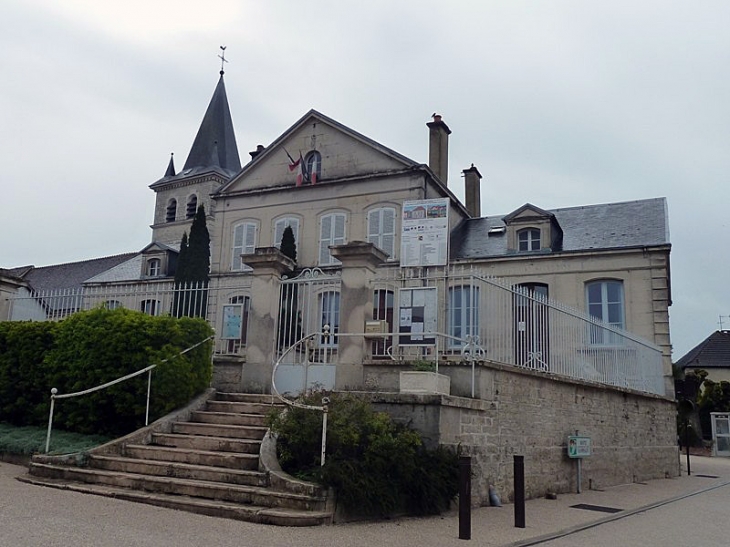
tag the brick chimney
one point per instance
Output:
(472, 191)
(438, 147)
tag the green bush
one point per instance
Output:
(377, 467)
(94, 347)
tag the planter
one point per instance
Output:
(413, 381)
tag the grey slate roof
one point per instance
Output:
(713, 352)
(641, 223)
(70, 275)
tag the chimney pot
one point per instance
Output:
(438, 147)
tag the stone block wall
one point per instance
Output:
(519, 412)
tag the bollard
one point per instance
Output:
(519, 484)
(464, 497)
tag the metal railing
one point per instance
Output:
(148, 370)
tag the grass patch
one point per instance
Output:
(28, 440)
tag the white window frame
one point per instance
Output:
(377, 234)
(329, 311)
(153, 267)
(532, 239)
(330, 236)
(605, 307)
(243, 243)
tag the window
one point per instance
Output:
(112, 304)
(381, 229)
(531, 333)
(192, 206)
(150, 307)
(383, 304)
(331, 232)
(244, 243)
(153, 267)
(279, 227)
(313, 164)
(463, 313)
(329, 307)
(528, 240)
(171, 210)
(605, 301)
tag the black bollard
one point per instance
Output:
(519, 483)
(464, 497)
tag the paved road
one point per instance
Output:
(702, 520)
(33, 516)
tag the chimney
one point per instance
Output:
(438, 147)
(472, 191)
(259, 148)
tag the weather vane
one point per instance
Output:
(222, 57)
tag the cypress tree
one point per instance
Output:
(198, 256)
(193, 269)
(288, 246)
(290, 318)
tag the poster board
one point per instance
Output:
(232, 322)
(417, 316)
(425, 233)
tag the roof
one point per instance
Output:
(713, 352)
(70, 275)
(630, 224)
(214, 147)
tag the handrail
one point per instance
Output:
(148, 370)
(471, 350)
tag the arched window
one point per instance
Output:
(281, 225)
(244, 243)
(235, 323)
(329, 307)
(381, 229)
(605, 301)
(153, 267)
(171, 210)
(528, 239)
(463, 313)
(313, 165)
(192, 206)
(331, 232)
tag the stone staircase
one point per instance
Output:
(218, 462)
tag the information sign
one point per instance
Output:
(425, 233)
(579, 447)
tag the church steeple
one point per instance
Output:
(215, 136)
(170, 167)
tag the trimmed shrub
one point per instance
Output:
(377, 467)
(93, 347)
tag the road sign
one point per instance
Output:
(579, 447)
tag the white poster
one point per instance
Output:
(417, 316)
(425, 233)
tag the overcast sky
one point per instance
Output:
(558, 103)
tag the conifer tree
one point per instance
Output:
(288, 246)
(193, 269)
(290, 318)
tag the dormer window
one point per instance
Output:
(528, 239)
(192, 206)
(171, 210)
(154, 267)
(313, 165)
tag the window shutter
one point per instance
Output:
(325, 235)
(388, 244)
(374, 227)
(250, 244)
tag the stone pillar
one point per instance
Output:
(268, 265)
(359, 264)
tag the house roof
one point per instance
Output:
(712, 352)
(70, 275)
(630, 224)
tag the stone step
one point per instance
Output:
(219, 430)
(247, 495)
(250, 513)
(211, 443)
(179, 470)
(247, 398)
(228, 418)
(243, 408)
(229, 460)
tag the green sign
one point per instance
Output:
(579, 447)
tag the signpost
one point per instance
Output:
(579, 448)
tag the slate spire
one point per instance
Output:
(170, 168)
(215, 137)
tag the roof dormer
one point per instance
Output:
(532, 230)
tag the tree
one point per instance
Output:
(193, 270)
(290, 318)
(288, 246)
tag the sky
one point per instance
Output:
(560, 103)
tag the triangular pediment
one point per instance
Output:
(527, 212)
(345, 154)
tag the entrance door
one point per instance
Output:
(721, 433)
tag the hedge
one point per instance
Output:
(94, 347)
